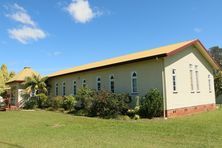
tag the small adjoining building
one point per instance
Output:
(16, 89)
(182, 72)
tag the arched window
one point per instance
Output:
(134, 82)
(63, 89)
(98, 83)
(84, 83)
(112, 86)
(74, 88)
(56, 89)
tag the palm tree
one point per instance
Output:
(35, 84)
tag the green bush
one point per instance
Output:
(62, 110)
(55, 102)
(69, 102)
(31, 103)
(85, 99)
(151, 104)
(50, 109)
(42, 100)
(101, 103)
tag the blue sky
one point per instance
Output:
(57, 34)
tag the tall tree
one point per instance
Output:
(218, 83)
(5, 73)
(2, 83)
(35, 84)
(216, 52)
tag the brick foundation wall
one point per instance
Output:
(189, 110)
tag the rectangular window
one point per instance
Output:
(197, 78)
(56, 89)
(64, 89)
(83, 83)
(112, 86)
(209, 83)
(74, 88)
(174, 80)
(191, 78)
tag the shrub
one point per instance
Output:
(108, 105)
(151, 104)
(69, 102)
(85, 99)
(102, 103)
(31, 103)
(55, 102)
(50, 109)
(42, 100)
(61, 110)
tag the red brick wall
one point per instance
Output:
(189, 110)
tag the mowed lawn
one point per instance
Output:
(56, 130)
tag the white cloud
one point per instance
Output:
(19, 14)
(81, 11)
(198, 30)
(26, 34)
(29, 30)
(23, 18)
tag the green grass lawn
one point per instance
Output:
(49, 129)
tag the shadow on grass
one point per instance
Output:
(11, 145)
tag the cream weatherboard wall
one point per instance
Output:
(183, 96)
(148, 76)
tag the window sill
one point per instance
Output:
(175, 92)
(198, 91)
(192, 92)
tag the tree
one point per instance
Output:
(35, 84)
(218, 83)
(5, 73)
(216, 52)
(2, 83)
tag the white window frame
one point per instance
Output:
(74, 89)
(132, 86)
(191, 78)
(98, 82)
(197, 79)
(84, 83)
(63, 90)
(110, 85)
(56, 89)
(174, 79)
(209, 83)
